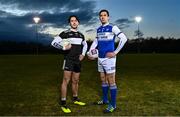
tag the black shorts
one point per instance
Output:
(70, 65)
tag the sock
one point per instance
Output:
(105, 88)
(113, 91)
(75, 98)
(63, 101)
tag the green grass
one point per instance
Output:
(148, 84)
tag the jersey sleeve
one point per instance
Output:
(84, 43)
(56, 42)
(116, 30)
(63, 35)
(122, 38)
(94, 44)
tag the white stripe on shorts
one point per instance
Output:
(64, 64)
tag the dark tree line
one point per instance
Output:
(11, 47)
(153, 45)
(147, 45)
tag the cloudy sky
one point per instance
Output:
(160, 17)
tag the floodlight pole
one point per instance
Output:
(36, 20)
(138, 20)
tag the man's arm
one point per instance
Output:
(56, 42)
(94, 44)
(84, 43)
(122, 40)
(81, 57)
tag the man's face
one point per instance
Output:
(74, 23)
(104, 18)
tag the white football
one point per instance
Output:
(64, 43)
(93, 53)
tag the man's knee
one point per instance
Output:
(75, 78)
(103, 78)
(75, 81)
(65, 81)
(111, 78)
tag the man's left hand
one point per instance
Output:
(110, 54)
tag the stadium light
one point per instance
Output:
(36, 21)
(138, 19)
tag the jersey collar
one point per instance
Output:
(73, 30)
(105, 24)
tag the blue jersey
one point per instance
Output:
(106, 39)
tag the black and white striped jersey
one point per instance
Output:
(78, 42)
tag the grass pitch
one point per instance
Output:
(148, 84)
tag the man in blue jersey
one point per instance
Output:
(105, 41)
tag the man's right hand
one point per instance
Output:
(67, 47)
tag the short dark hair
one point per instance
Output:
(104, 10)
(69, 19)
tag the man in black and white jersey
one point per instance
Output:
(74, 54)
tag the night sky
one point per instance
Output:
(159, 17)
